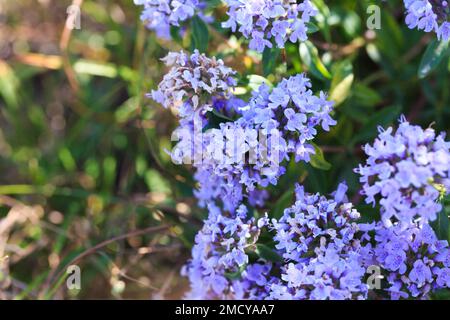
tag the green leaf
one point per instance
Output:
(365, 96)
(94, 68)
(312, 28)
(175, 34)
(382, 118)
(442, 225)
(342, 81)
(282, 203)
(215, 118)
(433, 56)
(390, 39)
(310, 58)
(236, 275)
(267, 253)
(351, 23)
(255, 81)
(318, 160)
(224, 118)
(67, 159)
(322, 18)
(213, 3)
(200, 34)
(8, 85)
(270, 56)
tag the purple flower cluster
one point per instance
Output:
(193, 83)
(293, 109)
(325, 251)
(429, 15)
(238, 159)
(159, 15)
(273, 126)
(225, 189)
(323, 258)
(408, 170)
(238, 149)
(264, 20)
(219, 255)
(414, 261)
(239, 156)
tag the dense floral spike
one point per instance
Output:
(408, 170)
(219, 255)
(247, 154)
(193, 83)
(324, 259)
(430, 16)
(159, 15)
(238, 156)
(264, 20)
(414, 262)
(228, 189)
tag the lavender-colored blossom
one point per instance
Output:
(323, 256)
(276, 124)
(429, 16)
(238, 157)
(323, 250)
(264, 20)
(413, 260)
(255, 282)
(160, 15)
(407, 171)
(219, 256)
(193, 83)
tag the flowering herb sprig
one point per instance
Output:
(317, 249)
(243, 154)
(323, 257)
(193, 83)
(262, 21)
(414, 261)
(219, 253)
(275, 125)
(160, 15)
(408, 171)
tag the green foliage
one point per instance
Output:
(435, 53)
(318, 160)
(310, 57)
(442, 224)
(200, 34)
(267, 253)
(269, 60)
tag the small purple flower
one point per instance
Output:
(444, 31)
(420, 273)
(395, 261)
(295, 120)
(443, 279)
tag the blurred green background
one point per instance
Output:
(82, 157)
